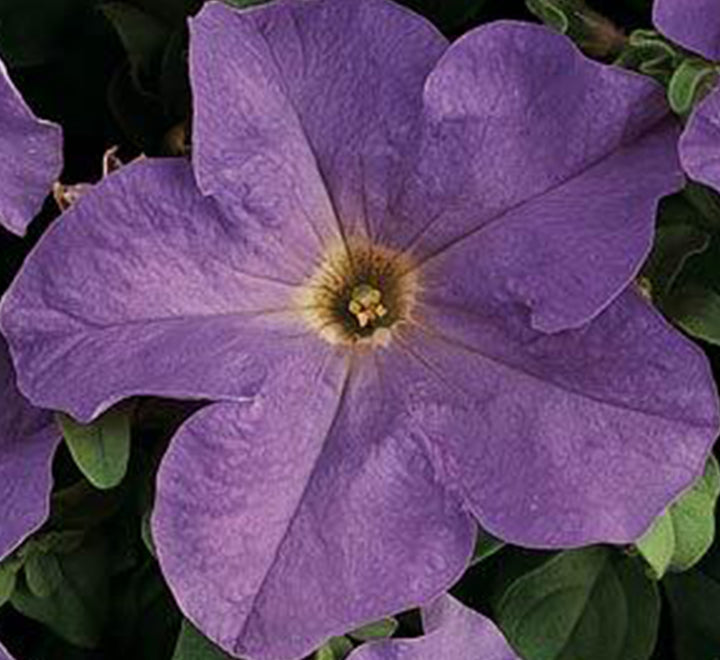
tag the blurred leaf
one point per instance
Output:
(145, 618)
(172, 12)
(591, 603)
(673, 246)
(453, 17)
(100, 449)
(192, 645)
(337, 648)
(680, 537)
(43, 574)
(32, 31)
(694, 599)
(696, 309)
(241, 4)
(693, 303)
(146, 532)
(706, 203)
(376, 630)
(76, 609)
(144, 38)
(59, 542)
(141, 116)
(174, 77)
(692, 79)
(81, 505)
(8, 577)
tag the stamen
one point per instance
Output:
(365, 304)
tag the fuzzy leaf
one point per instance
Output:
(689, 82)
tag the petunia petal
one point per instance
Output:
(28, 438)
(451, 631)
(144, 287)
(4, 655)
(700, 141)
(32, 158)
(304, 514)
(317, 93)
(564, 254)
(524, 131)
(694, 24)
(559, 440)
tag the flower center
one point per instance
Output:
(365, 303)
(359, 293)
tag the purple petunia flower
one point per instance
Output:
(451, 631)
(28, 439)
(31, 158)
(401, 271)
(695, 25)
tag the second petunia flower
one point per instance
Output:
(695, 25)
(401, 271)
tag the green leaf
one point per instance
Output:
(337, 648)
(376, 630)
(486, 545)
(680, 537)
(690, 81)
(589, 604)
(193, 645)
(657, 545)
(76, 609)
(706, 203)
(693, 303)
(145, 619)
(146, 532)
(8, 577)
(694, 518)
(694, 599)
(550, 13)
(696, 309)
(674, 244)
(649, 53)
(100, 449)
(43, 574)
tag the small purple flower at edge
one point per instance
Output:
(695, 25)
(31, 162)
(28, 439)
(451, 631)
(401, 271)
(32, 158)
